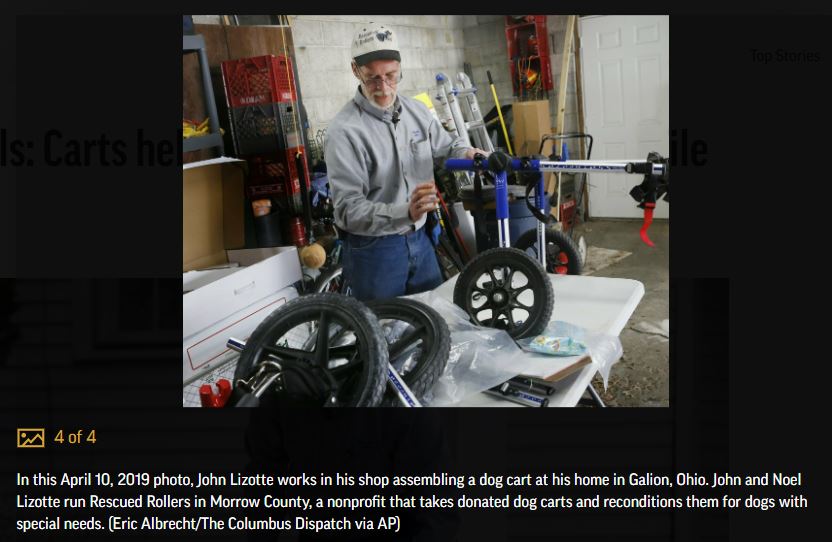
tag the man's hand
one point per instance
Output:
(422, 200)
(469, 154)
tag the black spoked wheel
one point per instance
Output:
(331, 280)
(505, 288)
(330, 348)
(418, 340)
(562, 254)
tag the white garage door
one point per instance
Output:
(626, 95)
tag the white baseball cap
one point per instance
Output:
(375, 42)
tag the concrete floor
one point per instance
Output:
(641, 377)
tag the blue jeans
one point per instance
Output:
(390, 265)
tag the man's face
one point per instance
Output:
(379, 80)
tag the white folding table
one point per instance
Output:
(598, 304)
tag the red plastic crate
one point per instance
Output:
(267, 177)
(278, 167)
(277, 174)
(265, 128)
(256, 191)
(258, 80)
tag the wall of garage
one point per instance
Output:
(484, 39)
(430, 44)
(485, 49)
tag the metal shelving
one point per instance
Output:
(196, 44)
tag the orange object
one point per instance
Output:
(531, 77)
(313, 256)
(261, 207)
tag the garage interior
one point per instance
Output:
(599, 75)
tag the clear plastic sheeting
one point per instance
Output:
(393, 331)
(604, 350)
(480, 358)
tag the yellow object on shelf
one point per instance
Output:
(192, 129)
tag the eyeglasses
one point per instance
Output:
(377, 80)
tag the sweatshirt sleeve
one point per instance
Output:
(349, 185)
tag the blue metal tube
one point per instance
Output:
(540, 201)
(501, 195)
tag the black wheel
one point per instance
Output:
(505, 288)
(418, 347)
(562, 254)
(331, 280)
(330, 347)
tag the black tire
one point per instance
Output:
(429, 331)
(562, 254)
(330, 281)
(359, 382)
(506, 261)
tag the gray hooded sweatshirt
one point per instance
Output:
(374, 164)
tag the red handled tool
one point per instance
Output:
(648, 219)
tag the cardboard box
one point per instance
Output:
(532, 120)
(213, 203)
(226, 291)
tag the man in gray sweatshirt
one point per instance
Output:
(380, 153)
